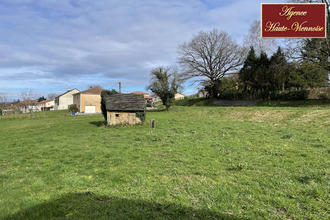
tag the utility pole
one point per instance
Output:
(119, 87)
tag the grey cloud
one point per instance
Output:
(122, 40)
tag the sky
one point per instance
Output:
(48, 46)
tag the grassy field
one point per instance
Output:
(269, 103)
(200, 162)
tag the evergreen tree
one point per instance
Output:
(262, 76)
(255, 75)
(279, 71)
(42, 98)
(316, 52)
(312, 69)
(247, 73)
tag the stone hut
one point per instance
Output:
(125, 109)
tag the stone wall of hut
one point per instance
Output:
(115, 118)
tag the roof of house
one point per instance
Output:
(69, 90)
(125, 102)
(12, 106)
(28, 102)
(95, 90)
(45, 101)
(139, 92)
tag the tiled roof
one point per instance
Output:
(125, 102)
(45, 101)
(28, 102)
(139, 92)
(67, 92)
(96, 91)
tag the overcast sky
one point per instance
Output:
(51, 45)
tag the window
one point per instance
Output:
(117, 115)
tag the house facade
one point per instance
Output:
(27, 106)
(202, 93)
(155, 98)
(46, 105)
(125, 109)
(145, 95)
(178, 96)
(64, 100)
(88, 101)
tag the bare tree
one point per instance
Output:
(26, 94)
(209, 56)
(293, 46)
(253, 39)
(52, 95)
(27, 102)
(3, 102)
(94, 86)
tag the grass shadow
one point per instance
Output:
(87, 205)
(98, 123)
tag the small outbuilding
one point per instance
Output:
(125, 109)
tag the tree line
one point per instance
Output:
(259, 69)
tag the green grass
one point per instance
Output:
(200, 162)
(270, 103)
(194, 102)
(296, 103)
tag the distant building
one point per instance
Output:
(27, 106)
(203, 93)
(125, 109)
(145, 94)
(88, 101)
(46, 105)
(155, 98)
(11, 108)
(178, 96)
(64, 100)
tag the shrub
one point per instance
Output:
(319, 93)
(292, 95)
(104, 96)
(73, 108)
(230, 95)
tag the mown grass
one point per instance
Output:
(200, 162)
(296, 103)
(270, 103)
(194, 102)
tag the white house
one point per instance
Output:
(202, 93)
(155, 98)
(178, 96)
(46, 105)
(64, 100)
(27, 106)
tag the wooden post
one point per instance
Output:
(152, 125)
